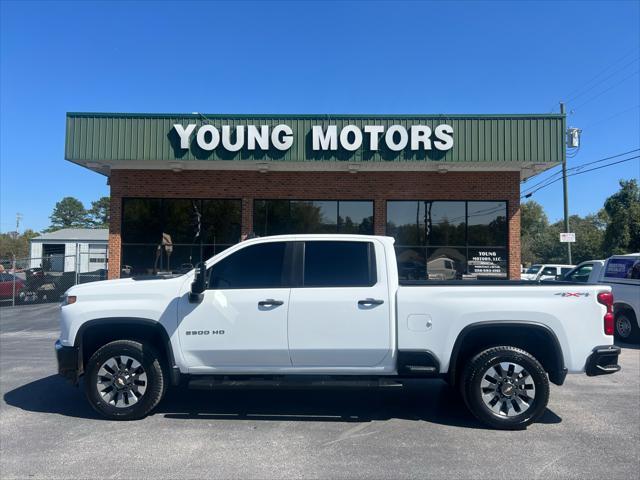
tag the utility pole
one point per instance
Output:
(565, 191)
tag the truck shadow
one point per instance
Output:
(630, 346)
(429, 401)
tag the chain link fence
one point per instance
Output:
(45, 279)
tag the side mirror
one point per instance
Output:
(199, 284)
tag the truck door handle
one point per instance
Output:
(270, 302)
(368, 302)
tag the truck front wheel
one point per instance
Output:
(505, 388)
(124, 380)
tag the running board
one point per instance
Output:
(224, 382)
(420, 369)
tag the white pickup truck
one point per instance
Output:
(329, 310)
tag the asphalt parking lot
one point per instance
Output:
(591, 428)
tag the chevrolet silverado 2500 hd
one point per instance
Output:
(330, 310)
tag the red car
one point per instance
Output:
(6, 287)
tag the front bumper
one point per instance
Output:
(68, 362)
(603, 360)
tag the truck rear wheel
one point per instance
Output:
(124, 380)
(505, 388)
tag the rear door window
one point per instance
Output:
(339, 264)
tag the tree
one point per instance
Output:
(99, 213)
(68, 213)
(589, 232)
(12, 244)
(534, 225)
(622, 234)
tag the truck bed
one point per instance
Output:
(482, 283)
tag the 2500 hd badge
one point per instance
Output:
(204, 332)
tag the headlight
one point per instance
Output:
(68, 300)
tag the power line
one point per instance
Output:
(578, 168)
(610, 117)
(570, 99)
(530, 187)
(579, 173)
(605, 91)
(573, 92)
(528, 194)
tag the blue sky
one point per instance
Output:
(329, 57)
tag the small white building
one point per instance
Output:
(62, 250)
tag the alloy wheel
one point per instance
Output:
(507, 389)
(121, 381)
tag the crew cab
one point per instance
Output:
(330, 310)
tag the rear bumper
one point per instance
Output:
(68, 361)
(603, 360)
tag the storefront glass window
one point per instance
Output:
(162, 235)
(445, 223)
(355, 217)
(275, 217)
(447, 240)
(313, 217)
(487, 223)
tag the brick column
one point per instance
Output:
(247, 216)
(379, 216)
(115, 242)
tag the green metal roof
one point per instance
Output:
(103, 137)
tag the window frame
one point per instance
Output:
(548, 274)
(288, 274)
(573, 275)
(372, 264)
(162, 199)
(221, 246)
(466, 246)
(297, 199)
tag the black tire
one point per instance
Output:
(471, 387)
(155, 382)
(630, 332)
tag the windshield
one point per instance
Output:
(533, 269)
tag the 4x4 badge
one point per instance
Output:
(573, 294)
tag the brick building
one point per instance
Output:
(447, 187)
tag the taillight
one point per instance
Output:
(606, 299)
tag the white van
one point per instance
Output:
(547, 271)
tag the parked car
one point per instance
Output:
(622, 273)
(329, 310)
(93, 276)
(7, 292)
(539, 272)
(585, 272)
